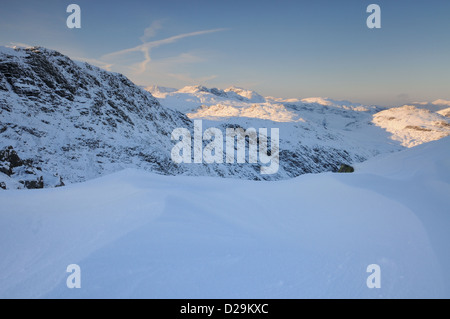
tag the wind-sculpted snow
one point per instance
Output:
(135, 234)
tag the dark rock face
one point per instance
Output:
(24, 171)
(34, 184)
(312, 160)
(9, 160)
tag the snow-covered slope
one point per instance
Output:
(247, 95)
(444, 112)
(80, 121)
(413, 126)
(136, 234)
(434, 106)
(191, 97)
(158, 91)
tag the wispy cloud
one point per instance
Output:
(146, 47)
(137, 63)
(151, 31)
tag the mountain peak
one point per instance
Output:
(77, 120)
(250, 95)
(193, 89)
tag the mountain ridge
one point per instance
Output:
(75, 122)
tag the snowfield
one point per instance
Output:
(139, 234)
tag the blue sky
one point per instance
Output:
(290, 49)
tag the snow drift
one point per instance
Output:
(137, 234)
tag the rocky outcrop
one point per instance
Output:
(24, 172)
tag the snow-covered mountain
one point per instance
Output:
(412, 125)
(78, 121)
(364, 130)
(428, 120)
(435, 106)
(444, 112)
(139, 234)
(69, 121)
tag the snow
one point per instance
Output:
(250, 95)
(80, 122)
(276, 113)
(201, 102)
(9, 182)
(445, 112)
(347, 105)
(10, 51)
(159, 91)
(413, 126)
(137, 234)
(97, 122)
(441, 102)
(434, 106)
(408, 126)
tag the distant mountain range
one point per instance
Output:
(63, 121)
(410, 125)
